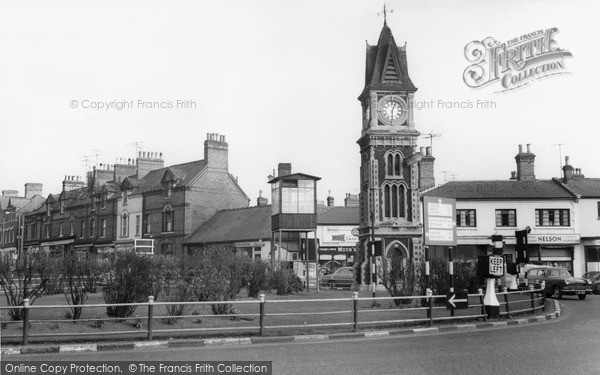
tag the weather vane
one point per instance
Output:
(384, 14)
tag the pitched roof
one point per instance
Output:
(252, 223)
(242, 224)
(501, 190)
(585, 187)
(386, 65)
(338, 215)
(185, 173)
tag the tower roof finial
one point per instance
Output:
(384, 14)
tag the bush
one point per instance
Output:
(217, 276)
(256, 276)
(178, 288)
(132, 278)
(285, 281)
(400, 277)
(24, 278)
(78, 278)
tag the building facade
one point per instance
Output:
(561, 216)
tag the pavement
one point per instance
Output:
(181, 343)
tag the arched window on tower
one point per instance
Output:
(393, 164)
(394, 200)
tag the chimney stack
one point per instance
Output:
(261, 201)
(216, 151)
(525, 164)
(330, 200)
(32, 188)
(284, 169)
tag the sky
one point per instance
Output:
(280, 79)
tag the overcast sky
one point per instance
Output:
(280, 79)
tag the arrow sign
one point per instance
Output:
(457, 300)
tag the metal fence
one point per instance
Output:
(350, 313)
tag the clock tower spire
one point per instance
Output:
(391, 166)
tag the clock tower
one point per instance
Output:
(393, 172)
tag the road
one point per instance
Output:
(567, 345)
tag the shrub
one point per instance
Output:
(78, 278)
(132, 278)
(25, 277)
(285, 281)
(256, 276)
(217, 276)
(400, 277)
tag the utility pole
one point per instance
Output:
(559, 157)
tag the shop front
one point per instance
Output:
(554, 249)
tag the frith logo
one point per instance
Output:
(515, 63)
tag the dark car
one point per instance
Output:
(343, 276)
(558, 282)
(595, 277)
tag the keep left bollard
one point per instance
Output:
(25, 321)
(355, 310)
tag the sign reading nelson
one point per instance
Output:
(515, 63)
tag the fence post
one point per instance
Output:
(429, 294)
(261, 298)
(532, 302)
(25, 321)
(355, 310)
(507, 305)
(150, 313)
(480, 291)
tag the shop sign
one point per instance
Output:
(553, 238)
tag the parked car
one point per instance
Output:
(559, 282)
(595, 277)
(343, 276)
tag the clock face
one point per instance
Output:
(392, 110)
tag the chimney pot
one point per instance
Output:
(428, 150)
(422, 150)
(520, 149)
(528, 148)
(566, 160)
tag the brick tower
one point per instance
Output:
(393, 172)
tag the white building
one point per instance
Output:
(562, 215)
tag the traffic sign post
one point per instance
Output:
(457, 300)
(492, 267)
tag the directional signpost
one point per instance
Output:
(439, 222)
(457, 300)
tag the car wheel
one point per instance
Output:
(596, 289)
(332, 284)
(582, 296)
(556, 293)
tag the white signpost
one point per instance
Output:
(439, 221)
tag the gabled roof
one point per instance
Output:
(386, 65)
(338, 215)
(585, 187)
(183, 173)
(242, 224)
(501, 190)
